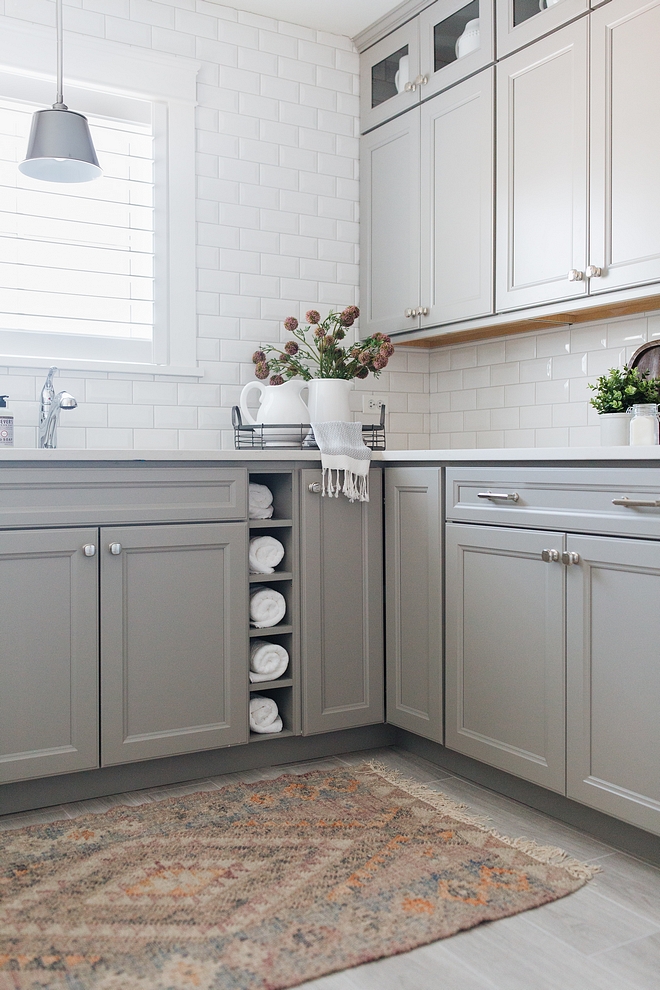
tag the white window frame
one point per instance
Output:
(95, 67)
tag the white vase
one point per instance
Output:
(277, 404)
(328, 400)
(614, 429)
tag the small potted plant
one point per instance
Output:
(616, 392)
(318, 355)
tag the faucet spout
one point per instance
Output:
(49, 414)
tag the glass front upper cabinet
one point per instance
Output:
(449, 40)
(521, 21)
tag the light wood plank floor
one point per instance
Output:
(604, 937)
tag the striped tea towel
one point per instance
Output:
(342, 449)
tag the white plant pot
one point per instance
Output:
(328, 400)
(614, 429)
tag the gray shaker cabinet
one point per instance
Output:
(613, 677)
(341, 607)
(48, 653)
(173, 639)
(505, 650)
(413, 599)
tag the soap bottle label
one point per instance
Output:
(6, 431)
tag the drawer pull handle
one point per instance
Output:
(633, 503)
(115, 548)
(549, 555)
(569, 557)
(500, 496)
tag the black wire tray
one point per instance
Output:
(294, 436)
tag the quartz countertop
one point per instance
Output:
(443, 456)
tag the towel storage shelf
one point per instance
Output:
(295, 436)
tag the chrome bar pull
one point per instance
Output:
(500, 496)
(634, 503)
(550, 556)
(569, 557)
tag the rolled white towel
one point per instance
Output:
(261, 513)
(260, 497)
(264, 716)
(268, 661)
(267, 606)
(265, 554)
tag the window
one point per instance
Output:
(99, 274)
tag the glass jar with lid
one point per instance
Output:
(644, 425)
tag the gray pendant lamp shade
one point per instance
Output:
(60, 148)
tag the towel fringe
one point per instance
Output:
(548, 855)
(355, 487)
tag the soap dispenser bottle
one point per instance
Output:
(6, 424)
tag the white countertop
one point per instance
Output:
(504, 455)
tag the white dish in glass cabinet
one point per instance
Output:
(520, 22)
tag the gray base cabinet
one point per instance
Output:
(48, 653)
(173, 639)
(413, 600)
(505, 651)
(613, 632)
(341, 607)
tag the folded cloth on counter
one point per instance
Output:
(264, 716)
(342, 449)
(260, 501)
(265, 553)
(268, 661)
(267, 606)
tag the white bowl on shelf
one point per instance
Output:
(469, 41)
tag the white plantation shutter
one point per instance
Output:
(77, 260)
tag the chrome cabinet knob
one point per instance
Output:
(115, 548)
(549, 555)
(422, 311)
(315, 488)
(593, 271)
(89, 550)
(410, 312)
(575, 275)
(410, 87)
(569, 557)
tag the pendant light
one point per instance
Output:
(60, 147)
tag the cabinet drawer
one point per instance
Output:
(50, 496)
(571, 499)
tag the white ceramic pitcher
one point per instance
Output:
(329, 400)
(277, 403)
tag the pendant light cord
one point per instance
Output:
(59, 103)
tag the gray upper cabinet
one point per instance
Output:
(542, 113)
(341, 590)
(505, 650)
(427, 207)
(413, 600)
(520, 22)
(625, 144)
(613, 677)
(173, 639)
(387, 72)
(390, 226)
(48, 653)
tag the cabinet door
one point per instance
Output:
(505, 650)
(48, 653)
(457, 193)
(450, 47)
(613, 678)
(520, 22)
(342, 607)
(413, 583)
(174, 631)
(625, 144)
(389, 227)
(385, 69)
(542, 170)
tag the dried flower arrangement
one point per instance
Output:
(317, 352)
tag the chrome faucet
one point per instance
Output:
(49, 413)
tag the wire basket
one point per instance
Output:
(294, 436)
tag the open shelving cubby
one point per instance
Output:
(283, 525)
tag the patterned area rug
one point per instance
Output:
(257, 886)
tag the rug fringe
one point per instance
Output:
(549, 855)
